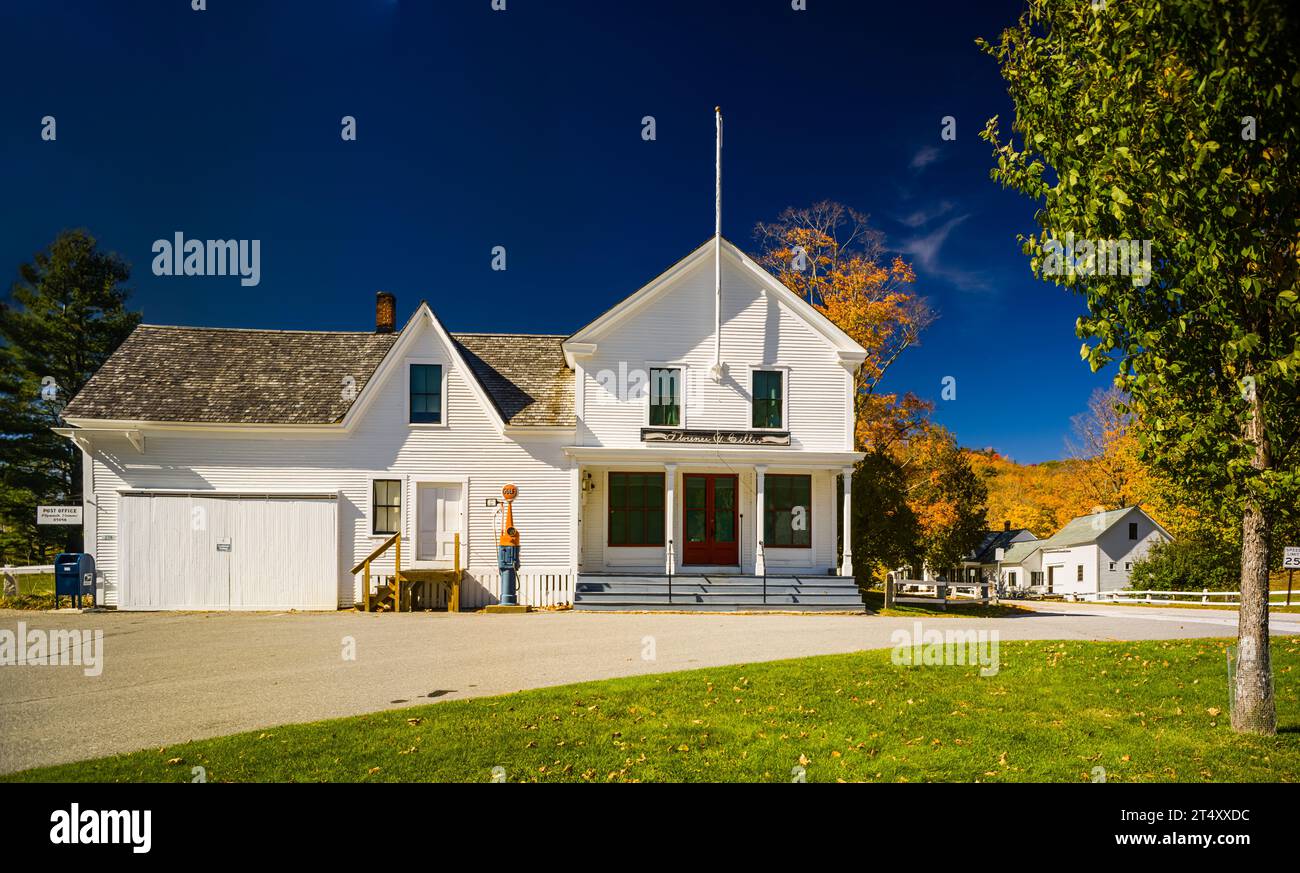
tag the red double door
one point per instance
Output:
(709, 519)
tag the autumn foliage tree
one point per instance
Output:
(926, 499)
(830, 255)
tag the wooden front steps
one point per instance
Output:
(407, 589)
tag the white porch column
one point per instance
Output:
(760, 562)
(576, 512)
(670, 519)
(846, 566)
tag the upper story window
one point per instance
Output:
(665, 397)
(385, 506)
(769, 399)
(426, 393)
(1132, 530)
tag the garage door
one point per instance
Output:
(227, 551)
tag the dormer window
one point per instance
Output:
(665, 397)
(426, 394)
(769, 399)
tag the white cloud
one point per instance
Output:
(925, 251)
(925, 156)
(925, 216)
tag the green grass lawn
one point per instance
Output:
(1148, 711)
(875, 602)
(35, 591)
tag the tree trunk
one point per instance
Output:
(1253, 708)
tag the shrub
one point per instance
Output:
(1189, 565)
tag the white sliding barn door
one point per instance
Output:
(228, 551)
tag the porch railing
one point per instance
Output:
(670, 571)
(394, 542)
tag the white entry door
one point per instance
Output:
(438, 521)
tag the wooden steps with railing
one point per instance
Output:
(405, 587)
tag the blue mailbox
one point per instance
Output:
(74, 576)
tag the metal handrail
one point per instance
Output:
(670, 571)
(763, 554)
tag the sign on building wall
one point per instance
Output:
(716, 437)
(58, 515)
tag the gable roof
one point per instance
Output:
(202, 375)
(524, 374)
(837, 338)
(1019, 552)
(1080, 531)
(1087, 528)
(986, 551)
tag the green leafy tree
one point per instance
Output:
(1176, 124)
(885, 530)
(1188, 565)
(66, 315)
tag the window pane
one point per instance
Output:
(787, 499)
(767, 398)
(654, 527)
(426, 393)
(636, 509)
(694, 525)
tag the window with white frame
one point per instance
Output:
(768, 388)
(425, 394)
(665, 397)
(385, 506)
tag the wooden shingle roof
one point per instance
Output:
(524, 374)
(237, 376)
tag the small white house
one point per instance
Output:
(691, 429)
(1091, 554)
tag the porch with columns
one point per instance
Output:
(830, 511)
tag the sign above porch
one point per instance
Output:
(716, 437)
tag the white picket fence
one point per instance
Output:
(1205, 596)
(537, 586)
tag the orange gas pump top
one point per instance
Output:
(509, 536)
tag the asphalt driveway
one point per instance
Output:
(173, 677)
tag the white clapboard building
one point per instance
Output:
(699, 431)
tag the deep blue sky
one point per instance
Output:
(478, 128)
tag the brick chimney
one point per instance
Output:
(1006, 526)
(385, 312)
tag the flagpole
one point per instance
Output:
(717, 249)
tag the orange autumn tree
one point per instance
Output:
(829, 255)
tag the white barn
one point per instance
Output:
(251, 469)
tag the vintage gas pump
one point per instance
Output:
(508, 550)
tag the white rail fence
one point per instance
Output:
(1204, 596)
(11, 575)
(942, 593)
